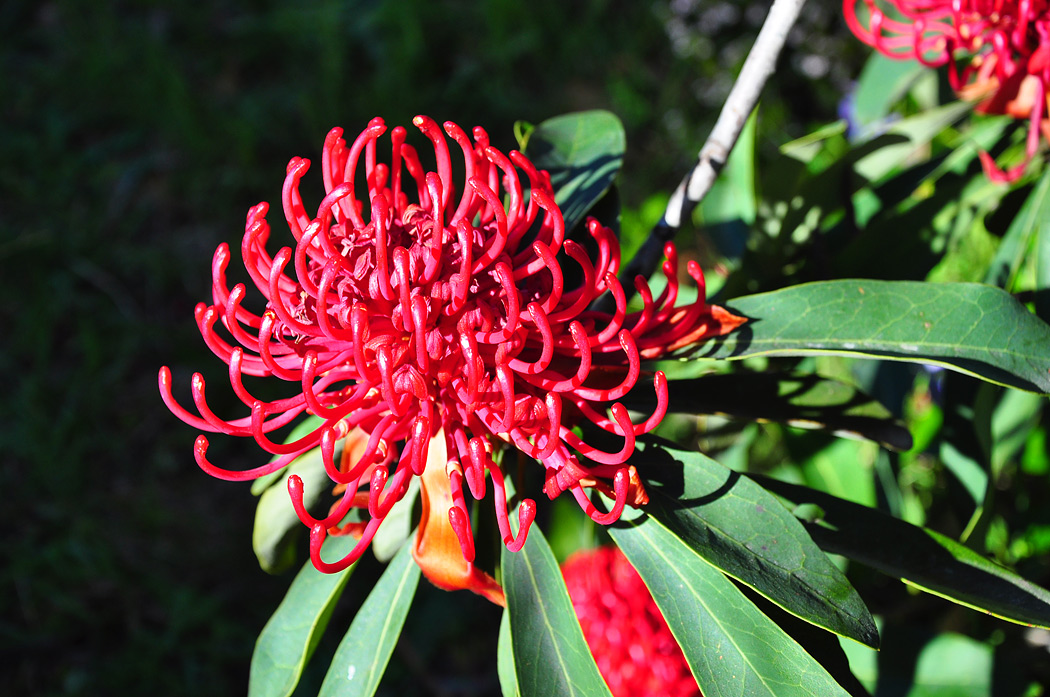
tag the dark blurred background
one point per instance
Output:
(134, 137)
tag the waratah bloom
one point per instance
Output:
(1004, 44)
(629, 638)
(433, 333)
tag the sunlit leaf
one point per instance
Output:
(363, 653)
(843, 468)
(583, 152)
(734, 524)
(291, 635)
(732, 648)
(550, 654)
(1031, 223)
(917, 130)
(947, 665)
(804, 149)
(975, 329)
(882, 82)
(920, 557)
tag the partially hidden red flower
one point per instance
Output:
(629, 638)
(434, 334)
(1003, 44)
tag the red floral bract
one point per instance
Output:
(1007, 43)
(629, 638)
(432, 334)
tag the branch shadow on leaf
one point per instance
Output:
(806, 401)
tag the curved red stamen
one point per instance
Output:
(496, 245)
(444, 164)
(200, 450)
(317, 537)
(634, 367)
(446, 316)
(512, 304)
(294, 212)
(458, 517)
(626, 429)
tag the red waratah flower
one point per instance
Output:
(432, 334)
(1007, 43)
(632, 645)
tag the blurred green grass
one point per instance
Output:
(134, 137)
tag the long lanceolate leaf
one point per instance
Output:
(291, 635)
(732, 648)
(735, 525)
(550, 654)
(508, 676)
(920, 557)
(972, 328)
(363, 654)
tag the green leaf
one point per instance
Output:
(807, 147)
(1032, 222)
(735, 525)
(583, 152)
(550, 654)
(946, 665)
(508, 676)
(732, 648)
(806, 401)
(883, 81)
(845, 468)
(1041, 262)
(307, 425)
(917, 131)
(364, 652)
(968, 470)
(292, 633)
(276, 522)
(971, 328)
(1011, 424)
(920, 557)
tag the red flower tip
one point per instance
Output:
(430, 324)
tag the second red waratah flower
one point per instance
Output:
(628, 636)
(432, 333)
(1004, 46)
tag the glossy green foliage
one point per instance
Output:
(975, 329)
(739, 528)
(732, 648)
(290, 637)
(362, 656)
(550, 654)
(583, 153)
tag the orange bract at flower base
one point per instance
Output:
(432, 334)
(1007, 43)
(628, 636)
